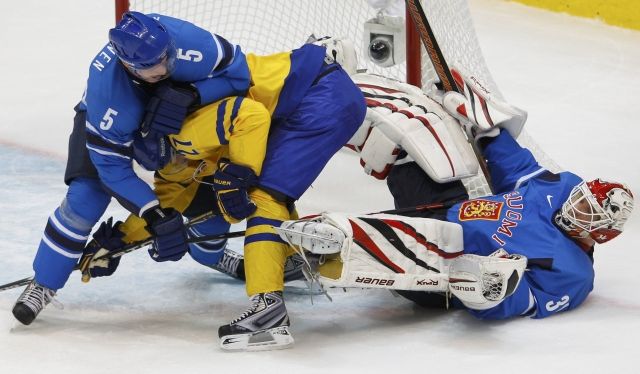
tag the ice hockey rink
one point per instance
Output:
(577, 78)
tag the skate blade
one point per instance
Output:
(267, 340)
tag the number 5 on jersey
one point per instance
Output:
(107, 119)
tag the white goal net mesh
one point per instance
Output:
(269, 26)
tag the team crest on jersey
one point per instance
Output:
(480, 209)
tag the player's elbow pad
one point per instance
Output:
(233, 80)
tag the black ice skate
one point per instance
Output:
(264, 326)
(293, 268)
(33, 299)
(231, 263)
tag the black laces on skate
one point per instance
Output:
(259, 303)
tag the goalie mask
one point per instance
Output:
(596, 209)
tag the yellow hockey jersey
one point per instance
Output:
(238, 127)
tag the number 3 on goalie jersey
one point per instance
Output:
(558, 305)
(180, 147)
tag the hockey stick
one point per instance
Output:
(18, 283)
(234, 234)
(414, 8)
(145, 242)
(129, 248)
(137, 245)
(420, 208)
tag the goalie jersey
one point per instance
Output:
(520, 219)
(115, 102)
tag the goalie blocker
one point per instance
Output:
(403, 253)
(479, 111)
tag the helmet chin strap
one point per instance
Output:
(564, 223)
(581, 236)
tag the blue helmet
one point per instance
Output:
(141, 41)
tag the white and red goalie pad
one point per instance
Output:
(395, 252)
(402, 117)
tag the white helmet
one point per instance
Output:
(597, 209)
(340, 50)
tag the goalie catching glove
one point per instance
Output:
(482, 282)
(106, 239)
(231, 183)
(481, 113)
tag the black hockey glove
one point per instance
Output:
(170, 241)
(232, 182)
(170, 104)
(106, 239)
(153, 152)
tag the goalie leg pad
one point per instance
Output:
(483, 282)
(378, 154)
(385, 251)
(399, 118)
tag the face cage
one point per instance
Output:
(585, 213)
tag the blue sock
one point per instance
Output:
(208, 253)
(67, 231)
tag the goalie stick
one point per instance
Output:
(414, 8)
(419, 208)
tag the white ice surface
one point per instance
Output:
(577, 78)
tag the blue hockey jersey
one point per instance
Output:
(115, 102)
(519, 218)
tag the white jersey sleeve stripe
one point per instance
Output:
(220, 53)
(60, 227)
(532, 305)
(147, 206)
(525, 178)
(91, 128)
